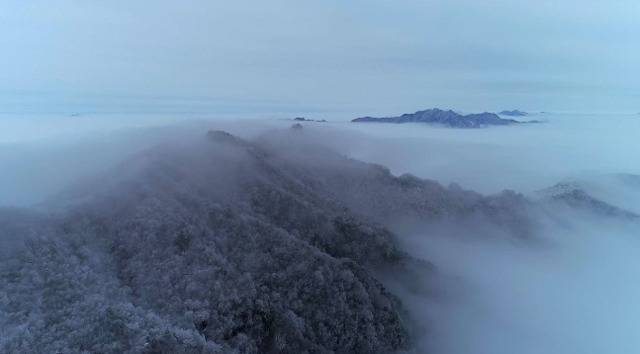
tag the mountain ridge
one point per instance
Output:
(228, 245)
(447, 118)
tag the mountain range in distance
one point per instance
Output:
(514, 113)
(449, 118)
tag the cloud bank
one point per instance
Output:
(569, 288)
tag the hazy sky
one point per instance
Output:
(370, 56)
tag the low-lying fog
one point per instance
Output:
(574, 292)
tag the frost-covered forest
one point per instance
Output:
(223, 245)
(319, 177)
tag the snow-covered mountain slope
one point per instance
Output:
(222, 245)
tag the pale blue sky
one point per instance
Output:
(372, 56)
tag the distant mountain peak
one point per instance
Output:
(447, 118)
(514, 113)
(574, 196)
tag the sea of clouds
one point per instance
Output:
(575, 291)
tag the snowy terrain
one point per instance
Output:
(251, 237)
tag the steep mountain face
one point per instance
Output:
(447, 118)
(223, 245)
